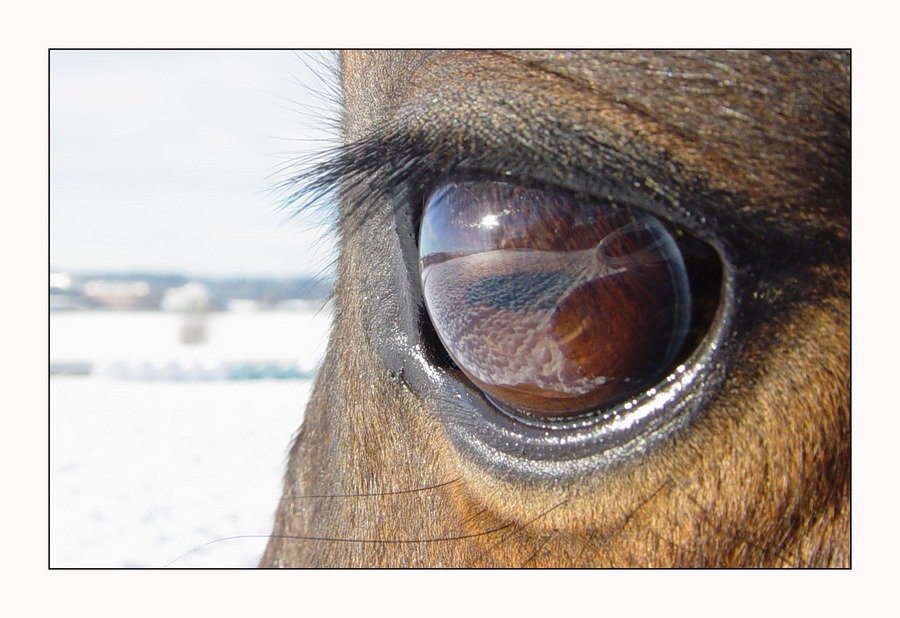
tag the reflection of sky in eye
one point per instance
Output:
(454, 222)
(161, 161)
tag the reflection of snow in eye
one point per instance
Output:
(496, 309)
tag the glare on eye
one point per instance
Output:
(489, 221)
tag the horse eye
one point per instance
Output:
(553, 306)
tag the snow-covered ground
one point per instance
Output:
(125, 342)
(144, 472)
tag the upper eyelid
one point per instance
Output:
(393, 159)
(541, 115)
(426, 142)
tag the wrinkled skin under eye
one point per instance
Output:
(552, 306)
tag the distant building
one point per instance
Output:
(118, 294)
(64, 296)
(60, 281)
(189, 298)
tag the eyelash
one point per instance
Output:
(391, 161)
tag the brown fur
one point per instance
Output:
(760, 478)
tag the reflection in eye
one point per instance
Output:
(550, 305)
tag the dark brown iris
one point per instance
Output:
(552, 306)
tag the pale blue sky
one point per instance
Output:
(161, 161)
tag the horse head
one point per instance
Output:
(592, 309)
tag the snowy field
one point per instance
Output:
(144, 472)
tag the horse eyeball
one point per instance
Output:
(552, 306)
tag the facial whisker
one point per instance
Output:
(517, 529)
(776, 551)
(601, 541)
(539, 549)
(442, 539)
(373, 495)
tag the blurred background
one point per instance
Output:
(188, 313)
